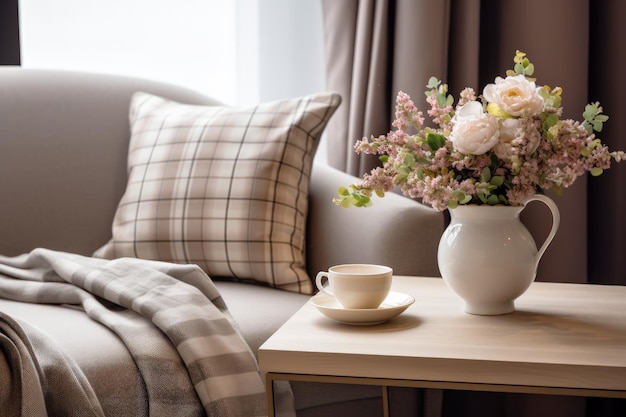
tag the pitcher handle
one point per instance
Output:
(556, 219)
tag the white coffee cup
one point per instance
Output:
(356, 286)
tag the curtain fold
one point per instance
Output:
(9, 33)
(377, 47)
(607, 193)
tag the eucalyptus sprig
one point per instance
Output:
(594, 119)
(522, 66)
(440, 90)
(354, 197)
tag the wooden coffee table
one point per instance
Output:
(565, 339)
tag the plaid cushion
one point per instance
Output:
(224, 188)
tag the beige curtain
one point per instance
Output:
(376, 47)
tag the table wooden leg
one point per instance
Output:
(385, 396)
(269, 389)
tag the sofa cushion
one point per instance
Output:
(221, 187)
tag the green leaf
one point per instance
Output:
(466, 199)
(361, 200)
(497, 180)
(458, 195)
(597, 126)
(346, 203)
(494, 160)
(485, 175)
(596, 171)
(452, 203)
(493, 200)
(590, 111)
(409, 160)
(550, 121)
(435, 141)
(343, 191)
(403, 170)
(400, 178)
(433, 82)
(482, 197)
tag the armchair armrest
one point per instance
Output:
(395, 231)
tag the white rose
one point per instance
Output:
(508, 130)
(514, 95)
(474, 131)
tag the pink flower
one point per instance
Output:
(511, 150)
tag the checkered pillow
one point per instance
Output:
(225, 188)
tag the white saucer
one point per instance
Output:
(394, 304)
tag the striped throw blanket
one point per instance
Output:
(180, 300)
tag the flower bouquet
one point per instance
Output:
(502, 147)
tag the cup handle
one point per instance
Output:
(556, 219)
(318, 282)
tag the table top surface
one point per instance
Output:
(569, 336)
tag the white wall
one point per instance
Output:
(239, 51)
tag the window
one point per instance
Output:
(238, 51)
